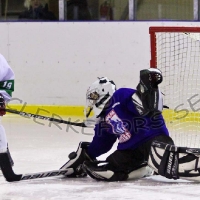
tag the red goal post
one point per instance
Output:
(176, 52)
(164, 29)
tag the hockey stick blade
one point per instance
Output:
(23, 177)
(47, 174)
(24, 114)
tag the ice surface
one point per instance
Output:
(36, 147)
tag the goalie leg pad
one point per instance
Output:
(163, 158)
(107, 173)
(175, 162)
(141, 172)
(189, 164)
(76, 160)
(103, 172)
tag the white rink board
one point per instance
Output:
(54, 62)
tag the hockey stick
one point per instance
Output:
(63, 172)
(12, 177)
(24, 114)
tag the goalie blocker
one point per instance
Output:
(175, 162)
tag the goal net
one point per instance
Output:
(176, 52)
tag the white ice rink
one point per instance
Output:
(36, 148)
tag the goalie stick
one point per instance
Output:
(24, 114)
(46, 174)
(13, 177)
(64, 172)
(10, 175)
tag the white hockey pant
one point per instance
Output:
(3, 139)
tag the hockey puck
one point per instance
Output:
(72, 155)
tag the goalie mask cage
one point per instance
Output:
(176, 52)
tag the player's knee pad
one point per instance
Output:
(76, 160)
(175, 162)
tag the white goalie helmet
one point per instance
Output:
(98, 94)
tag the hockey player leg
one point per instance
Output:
(10, 158)
(5, 158)
(76, 160)
(4, 143)
(175, 162)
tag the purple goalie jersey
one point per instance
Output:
(123, 122)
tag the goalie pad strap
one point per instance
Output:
(164, 159)
(163, 145)
(187, 158)
(196, 164)
(189, 150)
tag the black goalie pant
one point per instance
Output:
(128, 160)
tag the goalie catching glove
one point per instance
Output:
(148, 98)
(76, 161)
(175, 162)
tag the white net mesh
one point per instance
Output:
(178, 57)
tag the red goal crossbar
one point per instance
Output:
(154, 30)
